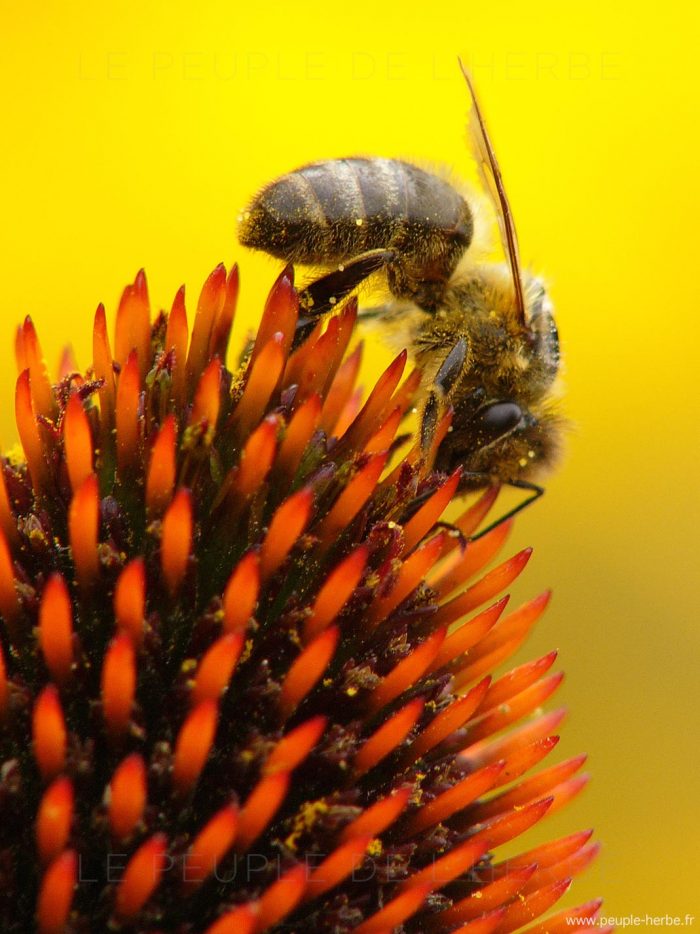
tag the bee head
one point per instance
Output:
(542, 332)
(503, 441)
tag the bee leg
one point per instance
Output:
(327, 292)
(454, 531)
(376, 311)
(534, 490)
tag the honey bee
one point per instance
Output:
(482, 332)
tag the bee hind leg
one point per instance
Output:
(326, 293)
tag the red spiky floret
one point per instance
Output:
(245, 680)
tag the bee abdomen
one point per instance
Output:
(329, 212)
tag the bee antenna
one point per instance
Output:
(429, 420)
(452, 366)
(493, 181)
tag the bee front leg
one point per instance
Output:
(326, 293)
(535, 493)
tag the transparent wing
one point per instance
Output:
(493, 183)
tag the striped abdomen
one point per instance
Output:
(330, 212)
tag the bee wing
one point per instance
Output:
(492, 181)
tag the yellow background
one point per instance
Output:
(132, 136)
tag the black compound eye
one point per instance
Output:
(498, 419)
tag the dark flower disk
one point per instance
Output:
(245, 671)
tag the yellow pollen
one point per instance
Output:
(15, 455)
(359, 221)
(375, 848)
(523, 461)
(247, 650)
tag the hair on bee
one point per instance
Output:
(483, 332)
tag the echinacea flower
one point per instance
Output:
(245, 672)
